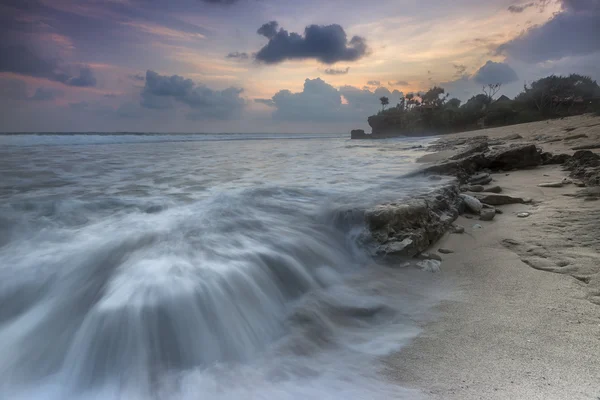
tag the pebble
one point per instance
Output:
(499, 211)
(445, 251)
(523, 214)
(477, 226)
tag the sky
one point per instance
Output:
(270, 65)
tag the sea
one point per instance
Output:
(201, 266)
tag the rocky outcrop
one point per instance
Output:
(358, 134)
(585, 165)
(501, 158)
(408, 228)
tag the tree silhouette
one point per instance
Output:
(384, 102)
(491, 90)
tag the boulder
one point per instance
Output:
(498, 199)
(493, 189)
(472, 204)
(475, 188)
(487, 214)
(514, 157)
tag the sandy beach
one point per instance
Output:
(523, 320)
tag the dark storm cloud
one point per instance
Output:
(398, 83)
(237, 56)
(45, 94)
(493, 72)
(138, 77)
(519, 8)
(333, 71)
(573, 31)
(160, 91)
(22, 60)
(326, 43)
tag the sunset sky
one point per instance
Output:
(270, 65)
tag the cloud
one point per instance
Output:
(161, 91)
(333, 71)
(573, 31)
(79, 106)
(267, 102)
(224, 2)
(45, 94)
(374, 83)
(398, 83)
(238, 56)
(519, 8)
(493, 72)
(137, 77)
(321, 102)
(23, 60)
(325, 43)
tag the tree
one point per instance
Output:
(432, 97)
(491, 90)
(384, 102)
(453, 103)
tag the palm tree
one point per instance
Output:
(384, 102)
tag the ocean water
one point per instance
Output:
(200, 267)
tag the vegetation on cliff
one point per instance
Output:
(433, 111)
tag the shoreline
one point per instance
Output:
(523, 322)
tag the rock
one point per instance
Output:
(514, 136)
(471, 203)
(585, 166)
(479, 147)
(499, 211)
(432, 256)
(358, 134)
(477, 226)
(498, 199)
(551, 184)
(576, 136)
(494, 189)
(487, 214)
(445, 251)
(467, 216)
(457, 229)
(514, 157)
(406, 229)
(475, 188)
(429, 265)
(523, 214)
(435, 178)
(480, 179)
(549, 158)
(587, 147)
(579, 183)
